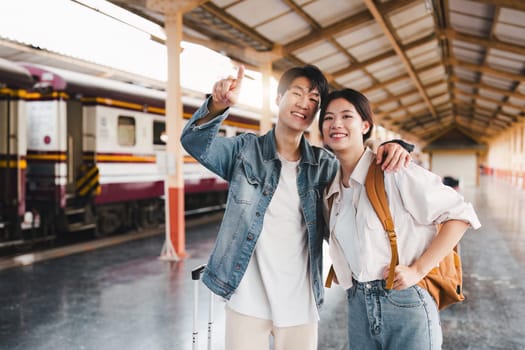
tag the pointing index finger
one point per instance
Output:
(240, 73)
(240, 76)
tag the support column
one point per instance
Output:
(175, 224)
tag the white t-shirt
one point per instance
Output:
(276, 285)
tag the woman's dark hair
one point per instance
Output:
(310, 72)
(360, 102)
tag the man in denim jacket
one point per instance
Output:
(267, 260)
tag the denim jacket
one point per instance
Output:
(251, 166)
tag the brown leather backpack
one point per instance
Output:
(444, 282)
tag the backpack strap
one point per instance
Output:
(375, 188)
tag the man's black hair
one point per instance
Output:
(310, 72)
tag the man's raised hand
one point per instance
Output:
(226, 91)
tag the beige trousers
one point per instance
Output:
(252, 333)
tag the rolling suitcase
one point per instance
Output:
(195, 276)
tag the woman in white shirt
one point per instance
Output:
(404, 317)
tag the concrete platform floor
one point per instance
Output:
(124, 297)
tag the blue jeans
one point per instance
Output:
(390, 319)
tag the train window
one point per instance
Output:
(222, 132)
(159, 133)
(126, 131)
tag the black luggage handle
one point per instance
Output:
(195, 276)
(197, 272)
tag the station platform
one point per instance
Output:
(124, 297)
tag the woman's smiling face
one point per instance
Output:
(343, 126)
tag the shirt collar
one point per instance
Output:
(358, 175)
(361, 169)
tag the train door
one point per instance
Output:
(78, 214)
(74, 143)
(5, 160)
(12, 163)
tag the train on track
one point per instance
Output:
(84, 153)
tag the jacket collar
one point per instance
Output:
(270, 149)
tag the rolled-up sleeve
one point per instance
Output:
(202, 142)
(429, 201)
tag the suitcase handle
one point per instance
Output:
(195, 276)
(197, 272)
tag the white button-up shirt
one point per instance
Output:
(358, 243)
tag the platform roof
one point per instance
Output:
(429, 67)
(426, 65)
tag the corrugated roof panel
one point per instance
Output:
(370, 48)
(466, 88)
(510, 16)
(333, 63)
(317, 51)
(470, 24)
(377, 95)
(361, 83)
(223, 3)
(517, 102)
(410, 99)
(445, 111)
(253, 14)
(352, 76)
(467, 45)
(408, 14)
(430, 76)
(498, 82)
(386, 63)
(387, 72)
(465, 73)
(487, 104)
(385, 107)
(400, 86)
(432, 45)
(294, 24)
(418, 29)
(438, 89)
(327, 12)
(398, 114)
(474, 8)
(504, 64)
(511, 110)
(475, 57)
(508, 55)
(510, 33)
(490, 94)
(464, 98)
(425, 59)
(357, 36)
(417, 107)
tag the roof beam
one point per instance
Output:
(338, 27)
(383, 56)
(490, 43)
(512, 4)
(485, 69)
(382, 23)
(235, 23)
(483, 86)
(343, 25)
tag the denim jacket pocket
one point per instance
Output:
(243, 187)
